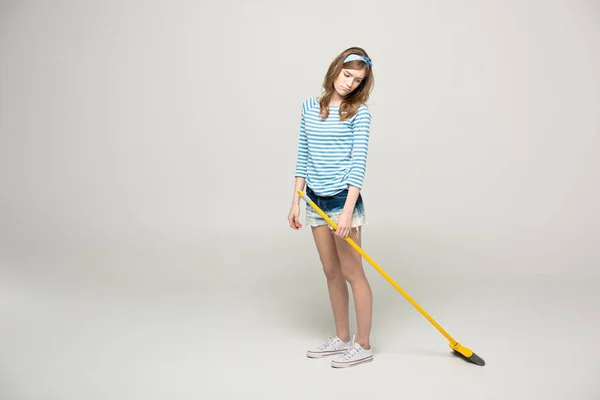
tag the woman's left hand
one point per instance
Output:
(344, 225)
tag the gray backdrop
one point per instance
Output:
(149, 147)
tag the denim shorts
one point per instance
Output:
(333, 206)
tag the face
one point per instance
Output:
(348, 80)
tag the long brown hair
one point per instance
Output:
(352, 102)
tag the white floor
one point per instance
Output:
(115, 338)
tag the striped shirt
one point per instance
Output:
(332, 154)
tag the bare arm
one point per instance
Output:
(351, 199)
(299, 185)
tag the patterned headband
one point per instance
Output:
(353, 57)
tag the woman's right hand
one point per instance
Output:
(294, 217)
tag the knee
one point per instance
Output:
(332, 270)
(353, 273)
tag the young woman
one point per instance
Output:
(331, 163)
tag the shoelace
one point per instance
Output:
(352, 349)
(328, 341)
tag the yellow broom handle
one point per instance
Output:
(378, 268)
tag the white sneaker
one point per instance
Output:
(353, 356)
(332, 346)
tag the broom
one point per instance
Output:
(458, 349)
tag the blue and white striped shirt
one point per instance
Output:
(332, 154)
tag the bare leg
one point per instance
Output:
(353, 272)
(336, 284)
